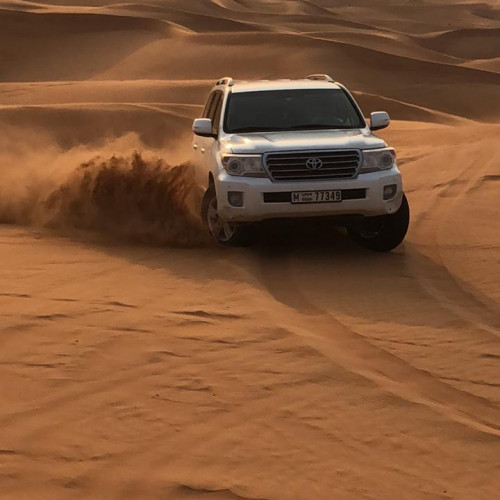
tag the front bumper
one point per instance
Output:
(264, 199)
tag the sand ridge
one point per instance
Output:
(138, 360)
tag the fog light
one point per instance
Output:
(390, 191)
(235, 198)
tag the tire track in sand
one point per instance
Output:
(322, 330)
(449, 291)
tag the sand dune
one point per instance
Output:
(38, 46)
(390, 43)
(193, 21)
(486, 64)
(79, 124)
(138, 360)
(190, 58)
(140, 48)
(466, 43)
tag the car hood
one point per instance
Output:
(267, 142)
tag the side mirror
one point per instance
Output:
(203, 127)
(379, 120)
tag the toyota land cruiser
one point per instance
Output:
(293, 149)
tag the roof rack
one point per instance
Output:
(227, 80)
(321, 77)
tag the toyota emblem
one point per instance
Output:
(314, 163)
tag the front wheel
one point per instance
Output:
(382, 233)
(225, 233)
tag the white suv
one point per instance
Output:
(296, 148)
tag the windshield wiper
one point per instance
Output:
(262, 128)
(320, 126)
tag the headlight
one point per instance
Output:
(378, 159)
(249, 165)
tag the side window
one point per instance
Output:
(213, 104)
(213, 109)
(210, 100)
(217, 112)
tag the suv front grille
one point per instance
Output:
(312, 165)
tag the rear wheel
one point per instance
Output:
(383, 233)
(224, 232)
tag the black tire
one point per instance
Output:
(230, 234)
(383, 233)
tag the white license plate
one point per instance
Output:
(317, 196)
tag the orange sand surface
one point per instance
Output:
(140, 361)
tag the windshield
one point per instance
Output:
(297, 109)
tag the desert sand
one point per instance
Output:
(140, 361)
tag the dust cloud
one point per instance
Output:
(116, 190)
